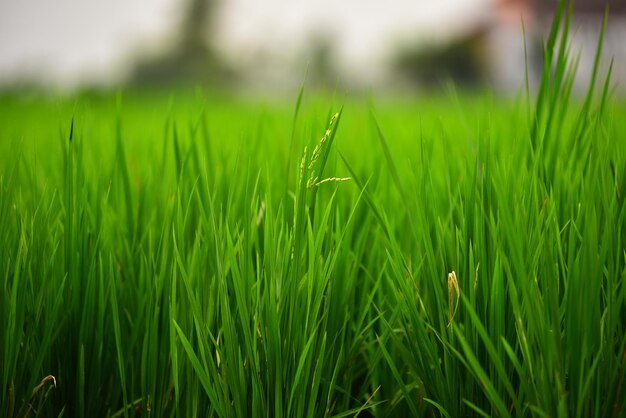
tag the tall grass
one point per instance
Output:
(158, 260)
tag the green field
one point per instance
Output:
(190, 254)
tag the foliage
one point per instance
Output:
(180, 257)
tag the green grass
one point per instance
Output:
(178, 256)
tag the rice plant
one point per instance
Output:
(203, 256)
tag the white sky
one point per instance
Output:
(362, 31)
(66, 42)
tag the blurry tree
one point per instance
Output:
(461, 61)
(192, 59)
(320, 61)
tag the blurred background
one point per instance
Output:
(249, 45)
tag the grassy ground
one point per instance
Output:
(190, 255)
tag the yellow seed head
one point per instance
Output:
(453, 287)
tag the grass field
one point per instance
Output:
(186, 254)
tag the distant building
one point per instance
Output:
(589, 7)
(507, 60)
